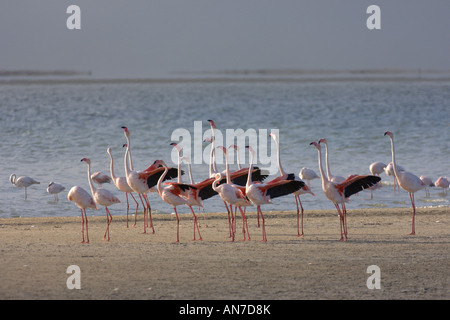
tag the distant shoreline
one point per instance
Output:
(25, 77)
(216, 80)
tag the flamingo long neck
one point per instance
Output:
(190, 173)
(129, 155)
(393, 157)
(126, 158)
(91, 184)
(160, 180)
(250, 170)
(227, 170)
(212, 169)
(322, 173)
(237, 159)
(213, 150)
(278, 157)
(180, 180)
(326, 159)
(111, 167)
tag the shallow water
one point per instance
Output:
(47, 129)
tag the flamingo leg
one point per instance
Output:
(297, 202)
(128, 206)
(25, 193)
(149, 210)
(344, 215)
(264, 237)
(196, 225)
(178, 225)
(341, 221)
(82, 225)
(108, 221)
(229, 221)
(244, 225)
(413, 227)
(86, 226)
(145, 208)
(137, 206)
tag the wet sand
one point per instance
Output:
(36, 252)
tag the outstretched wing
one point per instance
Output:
(354, 184)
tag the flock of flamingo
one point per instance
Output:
(237, 189)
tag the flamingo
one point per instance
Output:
(333, 178)
(171, 193)
(100, 178)
(233, 194)
(442, 182)
(55, 188)
(406, 180)
(375, 169)
(22, 182)
(142, 181)
(263, 193)
(82, 200)
(308, 174)
(338, 193)
(122, 184)
(290, 176)
(428, 183)
(194, 196)
(389, 170)
(102, 197)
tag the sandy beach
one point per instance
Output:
(36, 252)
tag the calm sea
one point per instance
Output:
(47, 129)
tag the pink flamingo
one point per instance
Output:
(100, 178)
(82, 200)
(442, 182)
(290, 176)
(307, 174)
(232, 194)
(171, 193)
(102, 197)
(22, 182)
(338, 193)
(406, 180)
(376, 168)
(428, 183)
(122, 184)
(55, 188)
(263, 193)
(142, 181)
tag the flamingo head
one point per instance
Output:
(390, 134)
(157, 163)
(176, 146)
(88, 161)
(323, 140)
(223, 149)
(125, 145)
(126, 131)
(274, 137)
(162, 163)
(109, 151)
(250, 149)
(315, 144)
(12, 178)
(218, 176)
(213, 125)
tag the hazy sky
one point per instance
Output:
(148, 38)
